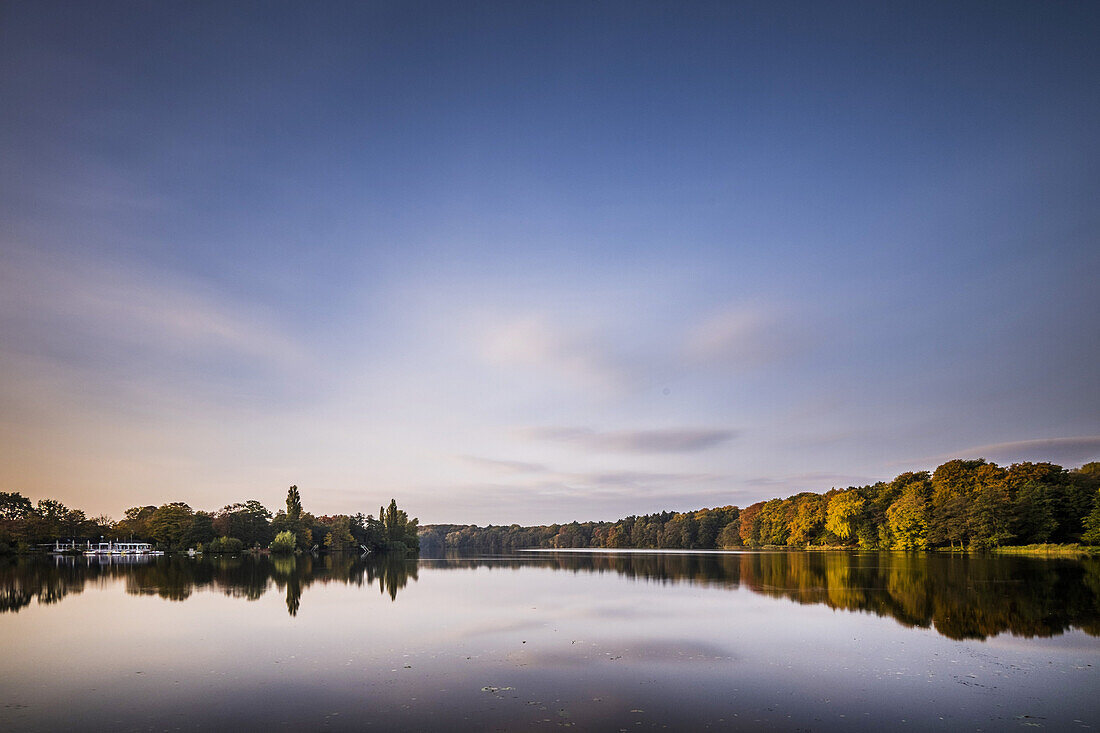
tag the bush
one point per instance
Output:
(225, 544)
(284, 542)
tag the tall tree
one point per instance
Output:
(293, 504)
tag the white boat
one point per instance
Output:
(122, 548)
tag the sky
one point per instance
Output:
(542, 261)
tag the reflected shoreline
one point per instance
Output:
(960, 597)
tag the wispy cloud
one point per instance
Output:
(577, 356)
(499, 466)
(675, 440)
(742, 336)
(815, 482)
(1069, 452)
(50, 298)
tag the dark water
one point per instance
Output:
(541, 641)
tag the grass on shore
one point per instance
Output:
(1048, 549)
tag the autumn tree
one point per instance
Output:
(843, 513)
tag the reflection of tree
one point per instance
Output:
(293, 596)
(23, 579)
(49, 580)
(392, 573)
(962, 597)
(14, 599)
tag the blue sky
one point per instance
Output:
(535, 262)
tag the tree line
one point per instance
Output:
(235, 527)
(972, 504)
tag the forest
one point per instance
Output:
(962, 504)
(235, 527)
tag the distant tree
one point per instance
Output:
(293, 504)
(616, 537)
(14, 505)
(249, 522)
(169, 524)
(135, 523)
(775, 525)
(401, 532)
(338, 536)
(284, 543)
(1034, 520)
(989, 514)
(1089, 476)
(808, 522)
(908, 520)
(843, 513)
(200, 531)
(225, 545)
(729, 536)
(750, 524)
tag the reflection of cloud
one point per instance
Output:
(740, 337)
(675, 440)
(668, 651)
(1068, 452)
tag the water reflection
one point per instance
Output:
(962, 597)
(176, 578)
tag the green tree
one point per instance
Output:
(169, 524)
(908, 520)
(200, 532)
(989, 516)
(249, 522)
(402, 533)
(709, 525)
(293, 504)
(14, 505)
(227, 545)
(338, 536)
(730, 535)
(284, 543)
(135, 523)
(1034, 520)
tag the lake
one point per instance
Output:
(548, 640)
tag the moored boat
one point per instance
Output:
(122, 548)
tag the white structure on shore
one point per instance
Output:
(120, 548)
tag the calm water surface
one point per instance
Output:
(541, 641)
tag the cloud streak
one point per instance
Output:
(124, 306)
(498, 466)
(676, 440)
(1069, 452)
